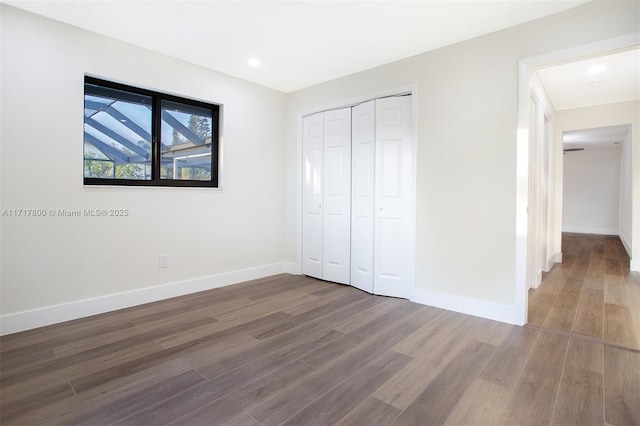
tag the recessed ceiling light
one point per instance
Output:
(254, 62)
(596, 69)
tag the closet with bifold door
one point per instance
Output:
(358, 196)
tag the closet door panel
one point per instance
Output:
(362, 201)
(312, 197)
(393, 210)
(336, 237)
(390, 249)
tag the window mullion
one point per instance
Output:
(156, 149)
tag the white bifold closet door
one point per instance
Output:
(382, 185)
(326, 221)
(313, 148)
(363, 195)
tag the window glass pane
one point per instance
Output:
(117, 134)
(186, 142)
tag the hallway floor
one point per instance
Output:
(591, 295)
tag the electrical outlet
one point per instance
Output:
(163, 260)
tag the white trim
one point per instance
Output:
(13, 323)
(538, 279)
(555, 258)
(299, 189)
(479, 308)
(404, 90)
(626, 244)
(634, 266)
(522, 190)
(292, 268)
(526, 66)
(414, 184)
(589, 230)
(582, 52)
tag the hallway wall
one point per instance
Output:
(591, 191)
(613, 115)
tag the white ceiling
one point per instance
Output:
(595, 81)
(299, 43)
(601, 80)
(598, 138)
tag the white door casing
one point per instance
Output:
(532, 206)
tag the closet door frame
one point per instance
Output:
(404, 90)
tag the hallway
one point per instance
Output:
(591, 295)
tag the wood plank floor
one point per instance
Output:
(297, 351)
(592, 294)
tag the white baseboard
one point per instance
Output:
(634, 265)
(589, 230)
(551, 262)
(292, 268)
(626, 244)
(548, 265)
(13, 323)
(478, 308)
(537, 281)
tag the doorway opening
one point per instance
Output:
(539, 167)
(591, 295)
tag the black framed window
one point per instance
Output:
(136, 137)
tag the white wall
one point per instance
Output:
(591, 192)
(613, 115)
(467, 97)
(52, 261)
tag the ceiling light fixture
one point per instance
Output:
(596, 69)
(254, 62)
